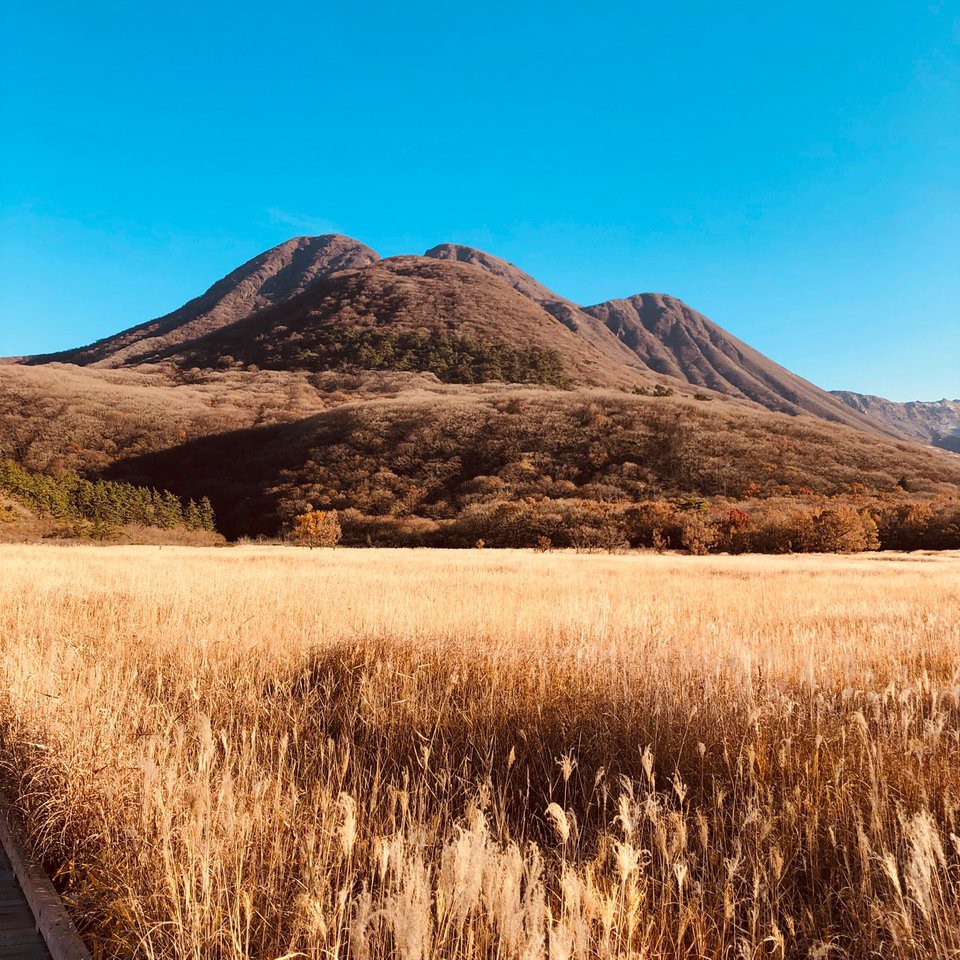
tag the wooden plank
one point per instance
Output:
(19, 937)
(56, 938)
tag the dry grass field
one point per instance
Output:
(268, 752)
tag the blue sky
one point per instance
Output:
(792, 170)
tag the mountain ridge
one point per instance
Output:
(271, 277)
(936, 422)
(325, 302)
(672, 339)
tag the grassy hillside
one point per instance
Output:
(514, 466)
(405, 458)
(61, 417)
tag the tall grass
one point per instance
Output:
(266, 752)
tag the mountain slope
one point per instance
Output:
(58, 417)
(936, 422)
(673, 340)
(274, 276)
(413, 313)
(566, 311)
(403, 464)
(321, 303)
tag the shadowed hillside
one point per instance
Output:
(420, 468)
(58, 417)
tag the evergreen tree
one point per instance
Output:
(207, 519)
(192, 517)
(101, 505)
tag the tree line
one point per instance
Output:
(454, 359)
(72, 498)
(684, 523)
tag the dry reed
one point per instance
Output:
(270, 752)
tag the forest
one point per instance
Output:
(452, 358)
(96, 507)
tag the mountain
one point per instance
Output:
(329, 302)
(409, 313)
(272, 277)
(936, 422)
(670, 338)
(451, 397)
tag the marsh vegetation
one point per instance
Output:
(272, 752)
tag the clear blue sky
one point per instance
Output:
(790, 169)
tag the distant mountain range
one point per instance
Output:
(226, 392)
(936, 422)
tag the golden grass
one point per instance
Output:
(270, 752)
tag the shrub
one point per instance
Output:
(783, 533)
(512, 524)
(906, 526)
(697, 534)
(597, 526)
(733, 530)
(363, 530)
(651, 524)
(316, 528)
(543, 545)
(843, 530)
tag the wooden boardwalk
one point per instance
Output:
(19, 937)
(33, 922)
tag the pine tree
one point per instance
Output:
(208, 520)
(192, 517)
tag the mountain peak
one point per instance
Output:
(520, 281)
(272, 277)
(311, 287)
(318, 240)
(673, 339)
